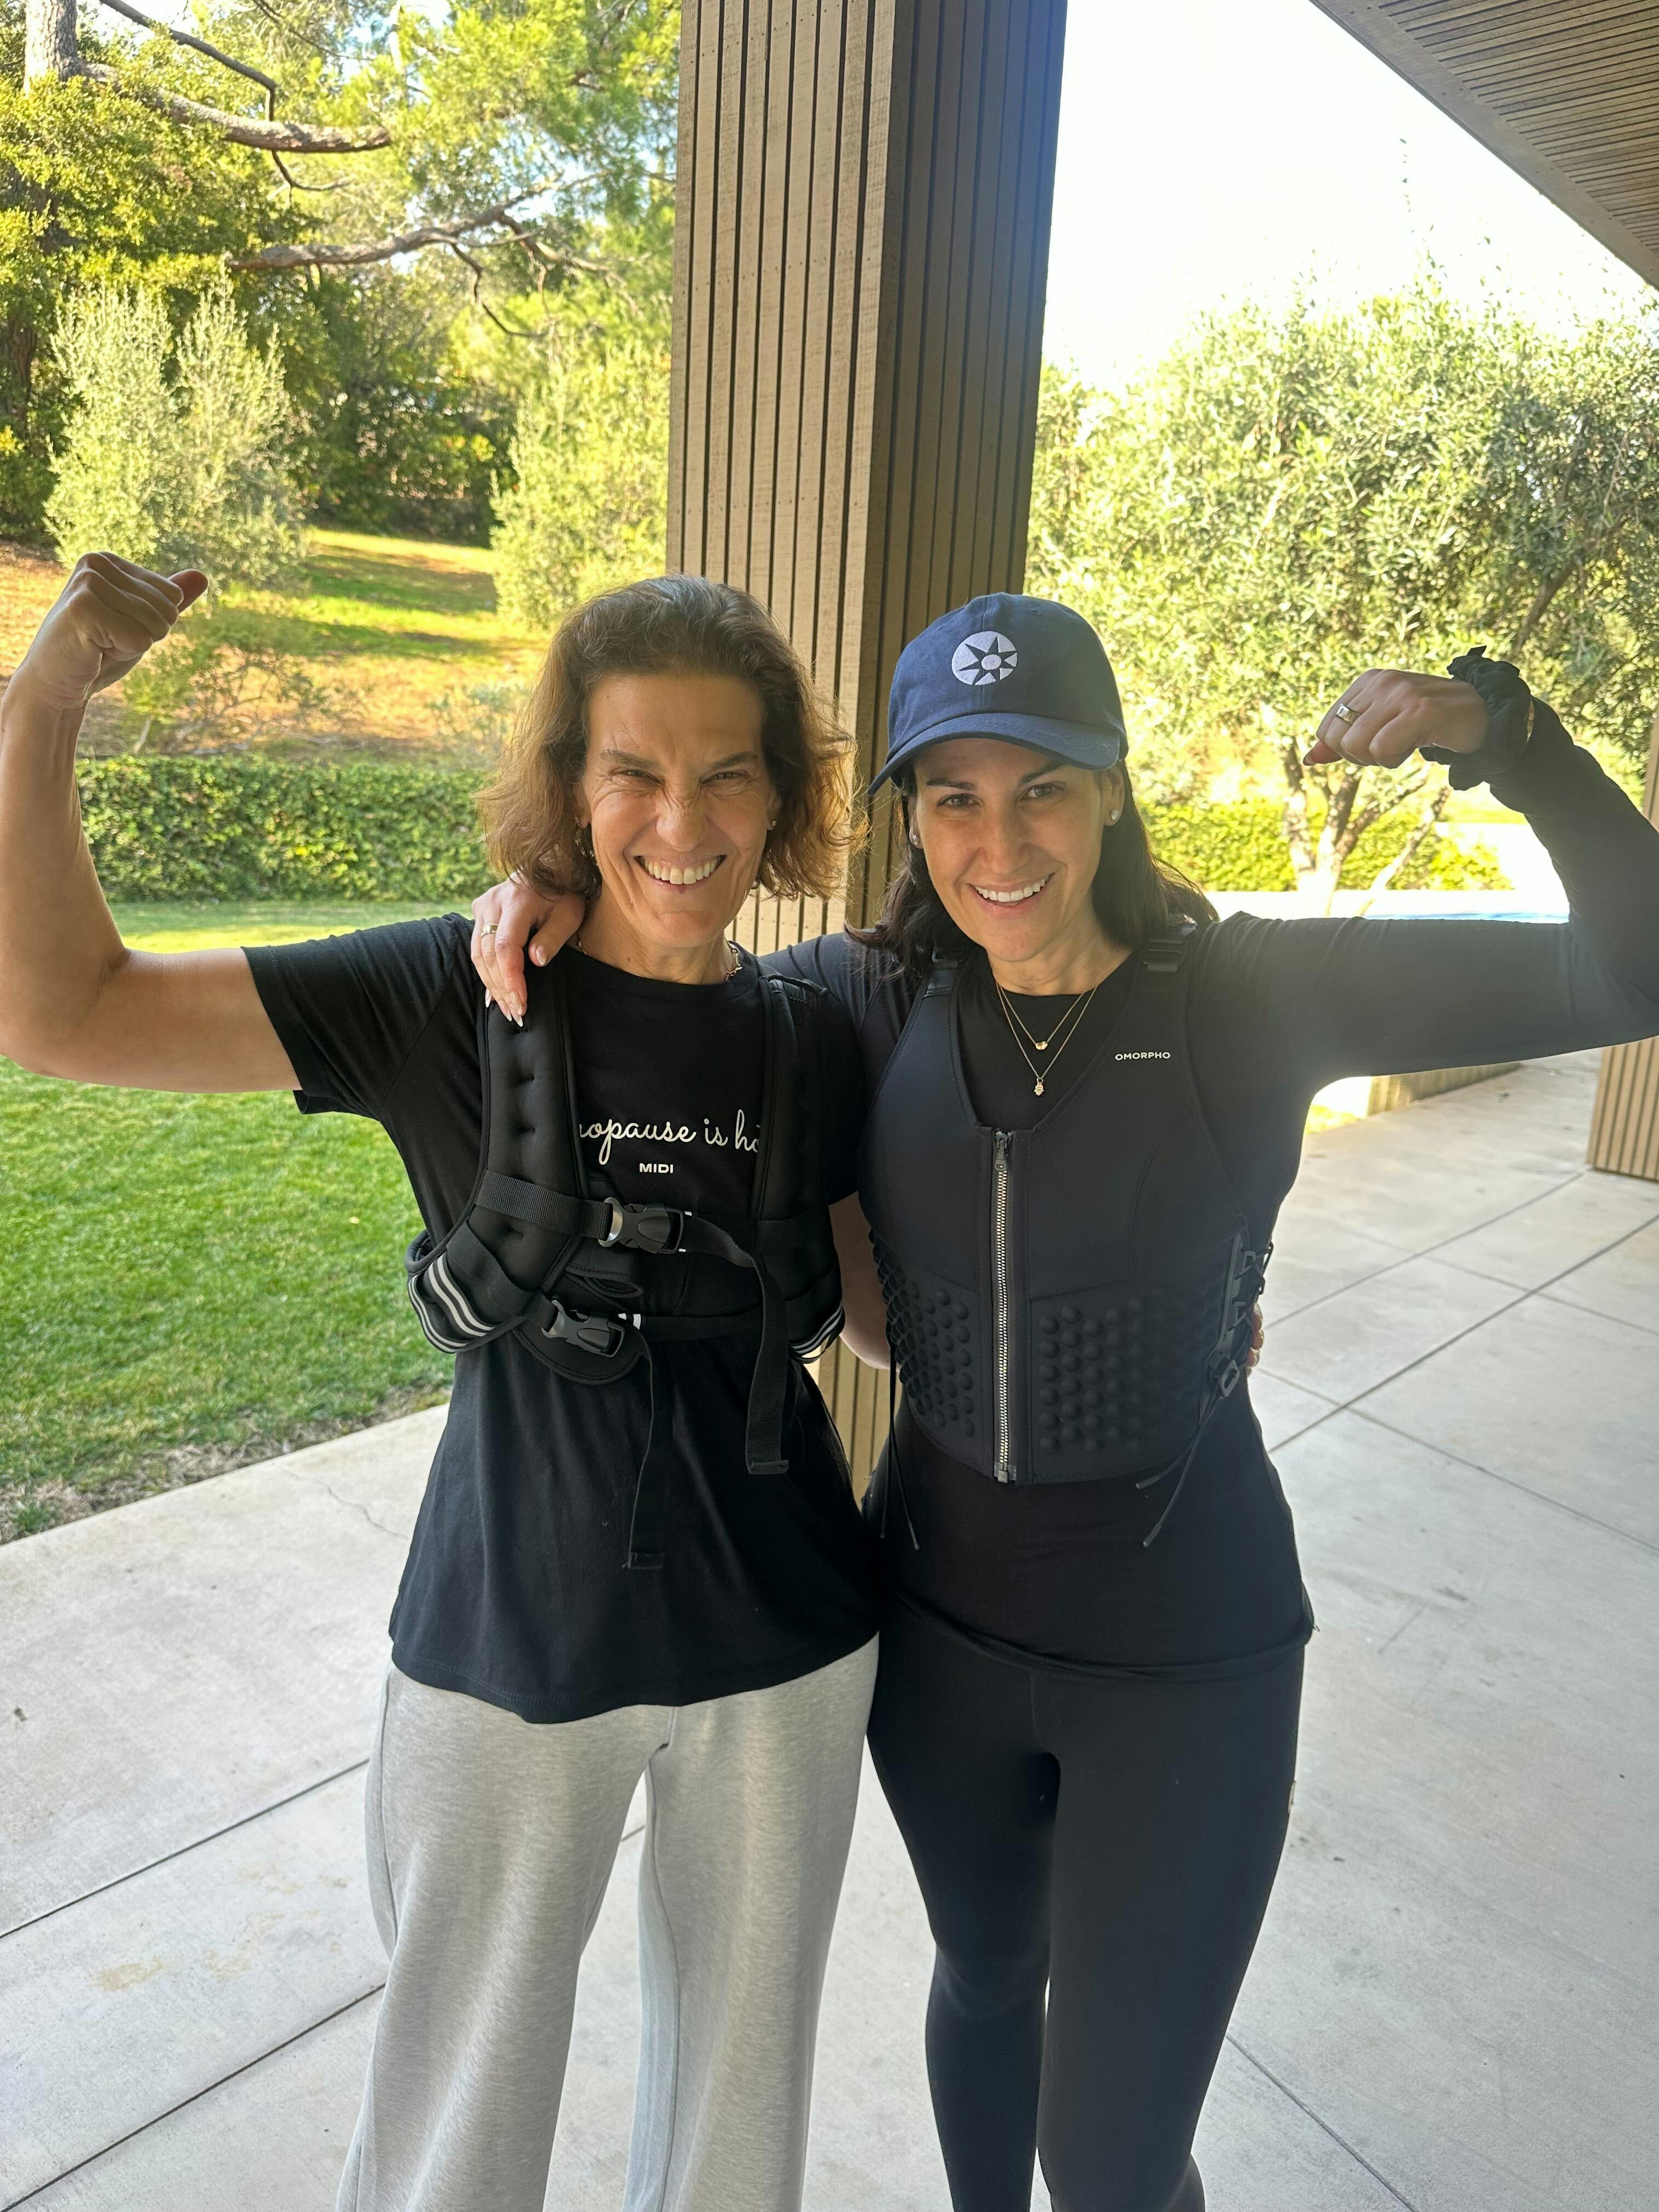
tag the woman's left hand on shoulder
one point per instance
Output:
(1388, 714)
(510, 919)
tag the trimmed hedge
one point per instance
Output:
(252, 829)
(171, 829)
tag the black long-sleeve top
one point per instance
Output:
(1276, 1009)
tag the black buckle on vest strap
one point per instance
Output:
(592, 1332)
(656, 1228)
(644, 1228)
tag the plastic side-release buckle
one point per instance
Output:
(656, 1228)
(592, 1332)
(644, 1228)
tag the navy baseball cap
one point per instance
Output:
(1028, 670)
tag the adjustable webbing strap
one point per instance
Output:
(657, 1230)
(1247, 1277)
(455, 1321)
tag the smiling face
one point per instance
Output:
(676, 792)
(1011, 841)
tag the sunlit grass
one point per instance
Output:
(189, 1282)
(394, 636)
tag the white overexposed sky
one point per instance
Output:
(1215, 150)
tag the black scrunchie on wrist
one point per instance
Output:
(1508, 704)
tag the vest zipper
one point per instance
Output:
(1002, 1465)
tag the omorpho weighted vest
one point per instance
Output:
(1072, 1301)
(546, 1251)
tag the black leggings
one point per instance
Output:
(1110, 1839)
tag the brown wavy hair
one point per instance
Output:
(1137, 896)
(669, 626)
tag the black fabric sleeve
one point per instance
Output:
(1310, 1001)
(350, 1009)
(835, 961)
(868, 985)
(844, 1100)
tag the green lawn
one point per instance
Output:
(188, 1283)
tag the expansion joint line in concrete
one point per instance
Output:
(195, 2097)
(1495, 1475)
(1356, 1405)
(132, 1874)
(1324, 2125)
(248, 2065)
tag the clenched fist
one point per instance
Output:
(1388, 714)
(104, 621)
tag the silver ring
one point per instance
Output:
(1343, 713)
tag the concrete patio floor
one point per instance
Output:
(1452, 2005)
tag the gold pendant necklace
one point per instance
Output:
(1071, 1021)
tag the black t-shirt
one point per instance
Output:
(1275, 1010)
(515, 1589)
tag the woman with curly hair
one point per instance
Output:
(638, 1556)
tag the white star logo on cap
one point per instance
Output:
(984, 657)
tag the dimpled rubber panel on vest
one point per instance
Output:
(1117, 1375)
(932, 1341)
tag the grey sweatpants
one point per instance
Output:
(490, 1841)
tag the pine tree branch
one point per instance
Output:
(290, 256)
(201, 46)
(270, 137)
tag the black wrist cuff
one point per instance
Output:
(1508, 720)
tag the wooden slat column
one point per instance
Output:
(1625, 1132)
(861, 255)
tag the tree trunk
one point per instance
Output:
(50, 46)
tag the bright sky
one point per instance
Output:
(1211, 150)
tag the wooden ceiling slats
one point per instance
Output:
(1565, 91)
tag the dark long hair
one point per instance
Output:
(1136, 895)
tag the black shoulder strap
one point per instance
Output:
(1161, 956)
(791, 1097)
(942, 977)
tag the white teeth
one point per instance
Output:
(664, 874)
(1014, 898)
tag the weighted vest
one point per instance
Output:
(546, 1251)
(1071, 1301)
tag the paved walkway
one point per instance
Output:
(1452, 2006)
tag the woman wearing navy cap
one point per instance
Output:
(1088, 1098)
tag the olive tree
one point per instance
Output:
(1289, 498)
(174, 455)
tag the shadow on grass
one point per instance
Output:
(426, 585)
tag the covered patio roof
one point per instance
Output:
(1565, 91)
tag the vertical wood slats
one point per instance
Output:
(1625, 1128)
(860, 262)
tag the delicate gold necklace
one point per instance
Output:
(1071, 1021)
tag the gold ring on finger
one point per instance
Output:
(490, 930)
(1344, 713)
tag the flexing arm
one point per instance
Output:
(1310, 1001)
(73, 1000)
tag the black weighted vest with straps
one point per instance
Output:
(1070, 1302)
(545, 1251)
